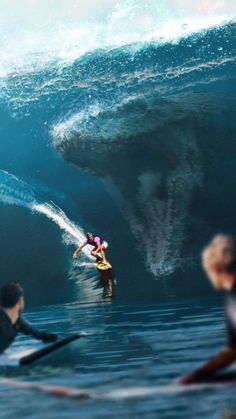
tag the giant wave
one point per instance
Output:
(154, 122)
(169, 109)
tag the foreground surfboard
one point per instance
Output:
(216, 382)
(36, 355)
(40, 353)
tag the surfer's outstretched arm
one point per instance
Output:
(27, 329)
(79, 249)
(222, 360)
(219, 262)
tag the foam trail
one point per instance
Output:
(14, 191)
(59, 217)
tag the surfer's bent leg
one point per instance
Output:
(102, 251)
(95, 253)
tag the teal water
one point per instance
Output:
(123, 124)
(134, 142)
(130, 347)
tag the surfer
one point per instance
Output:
(99, 246)
(11, 321)
(219, 262)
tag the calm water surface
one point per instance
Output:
(130, 347)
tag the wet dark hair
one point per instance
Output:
(88, 234)
(10, 294)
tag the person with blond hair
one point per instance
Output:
(219, 262)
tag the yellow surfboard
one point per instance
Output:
(103, 266)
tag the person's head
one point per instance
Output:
(12, 296)
(219, 261)
(89, 236)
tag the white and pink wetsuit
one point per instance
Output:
(97, 240)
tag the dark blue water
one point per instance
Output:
(130, 360)
(133, 141)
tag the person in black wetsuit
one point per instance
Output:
(11, 321)
(219, 262)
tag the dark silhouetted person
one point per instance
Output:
(11, 320)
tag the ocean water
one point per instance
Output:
(117, 118)
(130, 359)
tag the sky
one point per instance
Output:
(66, 29)
(43, 11)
